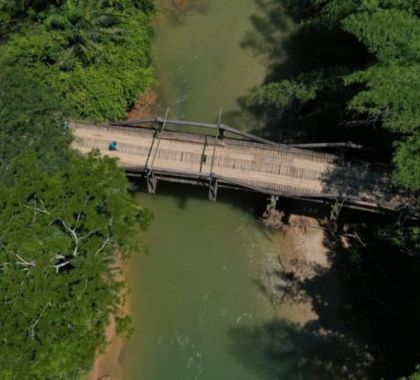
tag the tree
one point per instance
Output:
(65, 220)
(31, 116)
(390, 94)
(350, 70)
(94, 54)
(414, 376)
(362, 58)
(59, 237)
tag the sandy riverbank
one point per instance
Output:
(302, 254)
(107, 365)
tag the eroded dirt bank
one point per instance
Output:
(312, 299)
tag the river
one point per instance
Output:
(200, 280)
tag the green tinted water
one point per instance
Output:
(201, 65)
(198, 283)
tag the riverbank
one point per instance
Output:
(302, 255)
(316, 299)
(107, 366)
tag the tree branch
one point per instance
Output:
(73, 235)
(24, 262)
(59, 266)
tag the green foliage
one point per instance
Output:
(65, 220)
(31, 116)
(376, 83)
(59, 238)
(393, 36)
(281, 94)
(407, 160)
(95, 54)
(414, 376)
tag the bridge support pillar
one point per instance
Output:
(213, 187)
(273, 202)
(151, 183)
(271, 216)
(336, 209)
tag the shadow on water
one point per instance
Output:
(310, 354)
(255, 204)
(251, 203)
(367, 326)
(367, 323)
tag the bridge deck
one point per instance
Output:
(274, 170)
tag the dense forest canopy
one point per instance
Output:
(64, 217)
(94, 54)
(353, 68)
(60, 234)
(351, 73)
(349, 70)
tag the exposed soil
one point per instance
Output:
(305, 251)
(107, 364)
(302, 254)
(145, 107)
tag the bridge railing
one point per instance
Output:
(220, 129)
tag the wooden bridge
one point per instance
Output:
(228, 158)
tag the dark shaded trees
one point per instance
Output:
(349, 70)
(355, 69)
(31, 117)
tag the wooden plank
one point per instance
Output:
(275, 170)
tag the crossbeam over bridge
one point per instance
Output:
(246, 162)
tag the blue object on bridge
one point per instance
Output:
(113, 146)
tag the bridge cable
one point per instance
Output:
(158, 140)
(214, 145)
